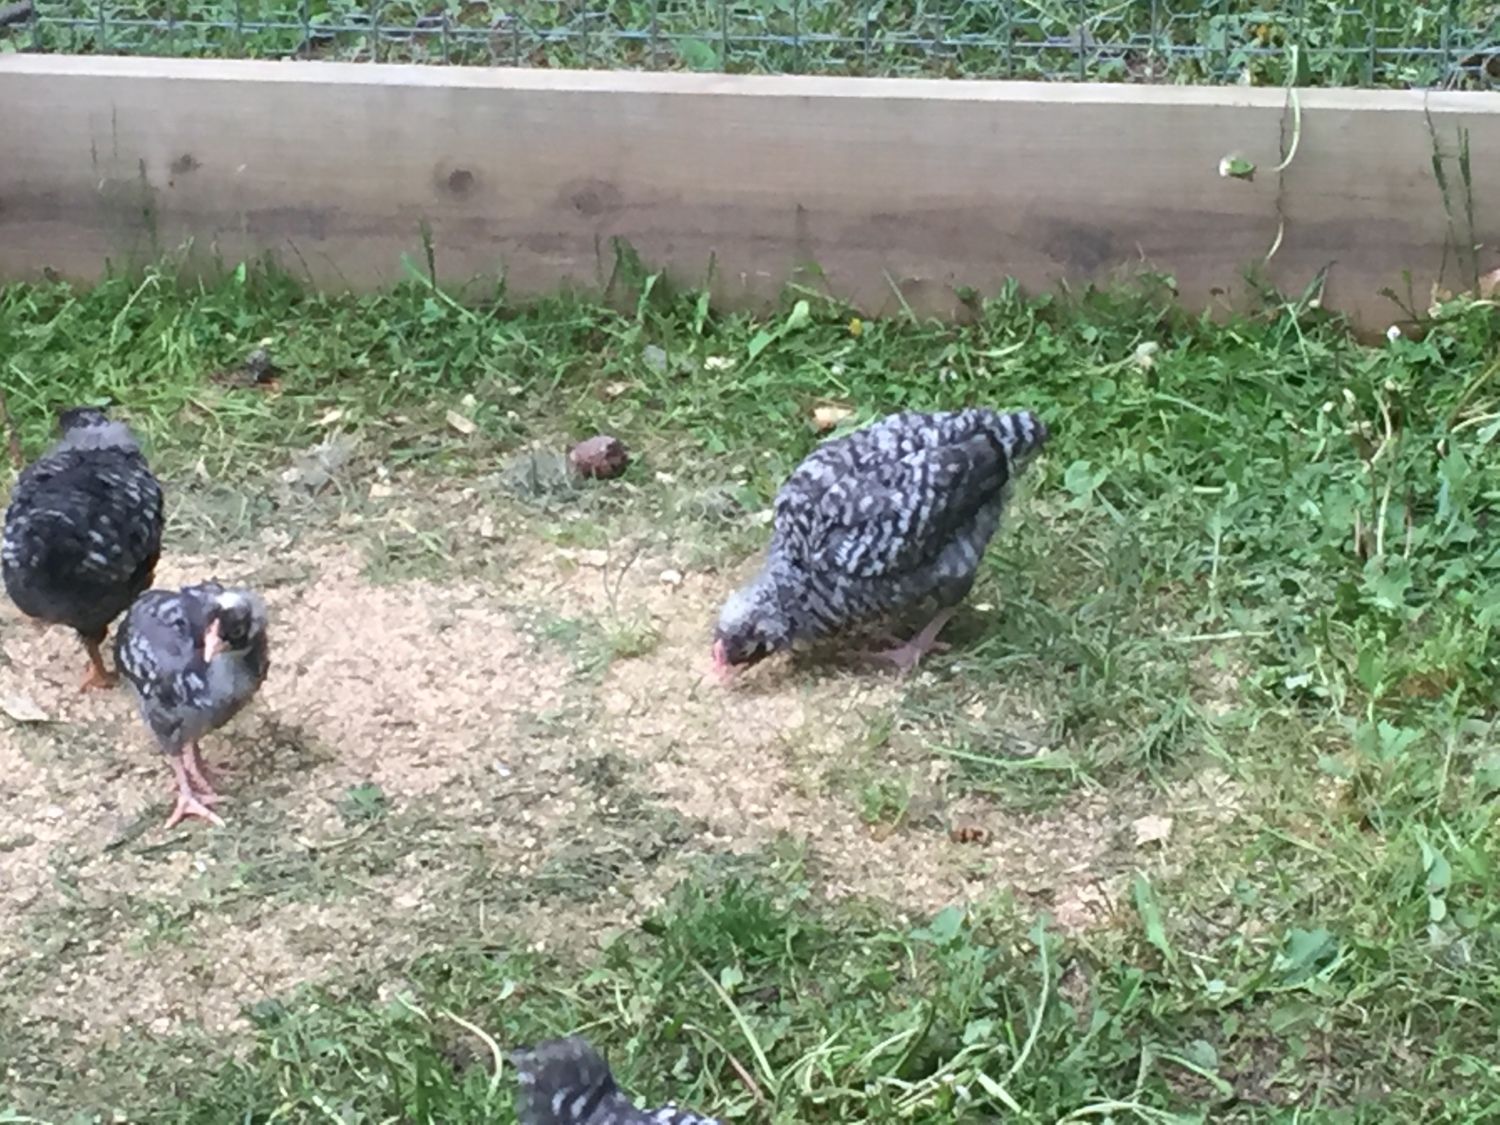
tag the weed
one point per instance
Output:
(363, 803)
(884, 800)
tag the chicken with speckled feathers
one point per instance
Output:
(877, 522)
(194, 658)
(567, 1082)
(83, 532)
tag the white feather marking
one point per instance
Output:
(230, 599)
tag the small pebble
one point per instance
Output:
(655, 358)
(600, 457)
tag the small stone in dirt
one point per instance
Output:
(654, 358)
(601, 457)
(671, 577)
(465, 426)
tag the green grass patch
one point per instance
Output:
(1256, 548)
(743, 994)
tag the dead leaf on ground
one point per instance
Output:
(1152, 830)
(595, 557)
(463, 425)
(829, 415)
(23, 709)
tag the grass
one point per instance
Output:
(1259, 559)
(1318, 42)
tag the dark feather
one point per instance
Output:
(878, 520)
(159, 651)
(83, 529)
(888, 499)
(567, 1082)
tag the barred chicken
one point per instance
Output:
(877, 522)
(567, 1082)
(83, 532)
(193, 658)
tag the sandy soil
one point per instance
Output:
(478, 726)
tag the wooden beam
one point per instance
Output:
(884, 184)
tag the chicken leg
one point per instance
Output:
(99, 677)
(197, 772)
(906, 656)
(189, 803)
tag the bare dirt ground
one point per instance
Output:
(549, 754)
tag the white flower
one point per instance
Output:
(1393, 333)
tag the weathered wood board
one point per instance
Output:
(926, 186)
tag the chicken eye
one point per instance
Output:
(233, 628)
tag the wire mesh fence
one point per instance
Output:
(1452, 44)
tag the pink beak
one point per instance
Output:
(723, 670)
(213, 644)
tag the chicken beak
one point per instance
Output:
(723, 670)
(213, 644)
